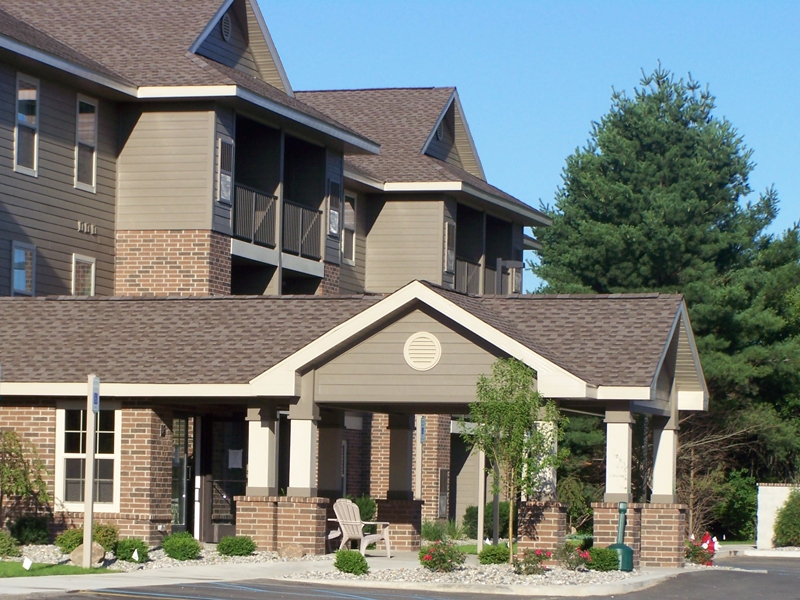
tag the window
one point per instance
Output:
(335, 208)
(26, 146)
(82, 275)
(86, 145)
(23, 269)
(71, 457)
(349, 230)
(450, 247)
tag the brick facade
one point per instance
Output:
(276, 522)
(179, 262)
(405, 517)
(542, 525)
(435, 457)
(378, 455)
(329, 286)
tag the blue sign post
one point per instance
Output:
(92, 408)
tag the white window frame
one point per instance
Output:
(92, 102)
(31, 248)
(449, 239)
(349, 260)
(76, 258)
(34, 172)
(61, 456)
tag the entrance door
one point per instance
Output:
(181, 490)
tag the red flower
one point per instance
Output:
(427, 557)
(549, 554)
(538, 552)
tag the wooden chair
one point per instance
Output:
(351, 527)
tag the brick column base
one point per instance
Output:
(405, 518)
(542, 525)
(140, 525)
(655, 531)
(275, 522)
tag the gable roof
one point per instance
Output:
(402, 121)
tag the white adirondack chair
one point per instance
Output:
(351, 527)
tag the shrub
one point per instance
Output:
(31, 529)
(531, 563)
(240, 545)
(696, 554)
(433, 531)
(351, 561)
(8, 545)
(367, 508)
(493, 555)
(787, 522)
(572, 557)
(453, 530)
(442, 557)
(124, 550)
(105, 535)
(70, 539)
(181, 546)
(603, 559)
(471, 521)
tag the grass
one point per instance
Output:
(739, 543)
(473, 548)
(14, 569)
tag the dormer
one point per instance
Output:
(238, 38)
(451, 141)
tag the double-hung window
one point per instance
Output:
(71, 429)
(86, 145)
(23, 269)
(349, 230)
(82, 275)
(26, 133)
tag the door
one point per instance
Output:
(181, 490)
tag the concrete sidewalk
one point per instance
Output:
(17, 586)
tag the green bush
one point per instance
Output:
(8, 545)
(696, 554)
(181, 546)
(124, 550)
(603, 559)
(31, 529)
(572, 557)
(470, 521)
(70, 539)
(105, 535)
(442, 557)
(367, 508)
(453, 530)
(532, 562)
(736, 514)
(351, 561)
(240, 545)
(433, 531)
(493, 555)
(787, 522)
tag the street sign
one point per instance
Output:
(423, 426)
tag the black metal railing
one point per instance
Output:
(254, 216)
(301, 230)
(468, 276)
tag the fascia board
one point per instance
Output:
(471, 141)
(170, 92)
(530, 243)
(619, 392)
(132, 390)
(423, 186)
(16, 47)
(676, 321)
(684, 311)
(280, 380)
(436, 124)
(211, 24)
(272, 49)
(363, 179)
(538, 218)
(694, 401)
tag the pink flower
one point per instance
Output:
(549, 554)
(538, 552)
(427, 557)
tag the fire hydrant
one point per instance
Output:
(624, 553)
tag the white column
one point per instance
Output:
(303, 458)
(481, 496)
(547, 479)
(619, 438)
(401, 439)
(665, 452)
(262, 453)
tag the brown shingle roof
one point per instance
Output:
(400, 120)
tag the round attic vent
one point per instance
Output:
(225, 27)
(440, 131)
(422, 351)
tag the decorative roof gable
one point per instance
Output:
(456, 140)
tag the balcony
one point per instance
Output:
(302, 230)
(254, 215)
(468, 276)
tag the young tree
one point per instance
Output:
(517, 429)
(658, 201)
(22, 473)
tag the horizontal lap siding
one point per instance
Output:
(234, 53)
(404, 243)
(166, 170)
(44, 210)
(353, 277)
(376, 369)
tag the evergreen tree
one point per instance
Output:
(658, 201)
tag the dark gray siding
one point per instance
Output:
(353, 277)
(224, 129)
(445, 149)
(334, 167)
(44, 210)
(235, 53)
(450, 208)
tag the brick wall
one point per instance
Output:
(541, 525)
(405, 518)
(275, 522)
(329, 286)
(378, 456)
(435, 456)
(179, 262)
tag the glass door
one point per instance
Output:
(180, 464)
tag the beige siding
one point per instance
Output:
(44, 210)
(469, 161)
(464, 479)
(235, 53)
(261, 53)
(166, 169)
(404, 242)
(353, 277)
(375, 369)
(445, 149)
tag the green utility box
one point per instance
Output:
(624, 553)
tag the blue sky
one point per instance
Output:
(532, 76)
